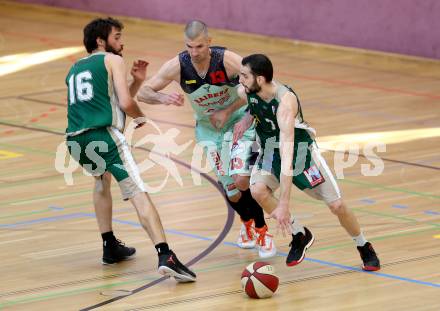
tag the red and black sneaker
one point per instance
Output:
(300, 243)
(171, 266)
(369, 257)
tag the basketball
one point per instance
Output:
(259, 280)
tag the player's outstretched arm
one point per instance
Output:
(117, 68)
(240, 102)
(247, 120)
(286, 121)
(241, 126)
(149, 92)
(219, 118)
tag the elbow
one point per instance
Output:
(126, 104)
(145, 97)
(140, 98)
(143, 94)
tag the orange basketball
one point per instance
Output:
(259, 280)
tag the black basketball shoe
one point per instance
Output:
(369, 257)
(116, 251)
(300, 243)
(171, 266)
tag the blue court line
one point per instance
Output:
(56, 208)
(432, 213)
(45, 219)
(385, 275)
(368, 201)
(136, 224)
(199, 237)
(322, 262)
(399, 206)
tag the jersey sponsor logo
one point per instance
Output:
(190, 81)
(253, 100)
(200, 100)
(314, 176)
(257, 119)
(217, 77)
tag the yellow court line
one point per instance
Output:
(9, 155)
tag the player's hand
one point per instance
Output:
(239, 129)
(175, 99)
(219, 117)
(139, 70)
(282, 215)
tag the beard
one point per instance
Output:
(110, 49)
(254, 88)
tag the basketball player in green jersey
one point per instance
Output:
(209, 77)
(98, 101)
(289, 155)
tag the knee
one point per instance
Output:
(103, 183)
(241, 182)
(260, 192)
(337, 207)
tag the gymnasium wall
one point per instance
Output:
(399, 26)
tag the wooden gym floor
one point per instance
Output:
(50, 247)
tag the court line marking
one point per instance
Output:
(226, 228)
(156, 281)
(204, 238)
(192, 126)
(214, 267)
(347, 269)
(371, 185)
(5, 155)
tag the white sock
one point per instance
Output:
(360, 240)
(296, 226)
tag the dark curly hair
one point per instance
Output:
(99, 28)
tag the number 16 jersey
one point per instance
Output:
(92, 101)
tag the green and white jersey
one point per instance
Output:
(92, 100)
(305, 172)
(265, 114)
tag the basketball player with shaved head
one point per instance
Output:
(209, 77)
